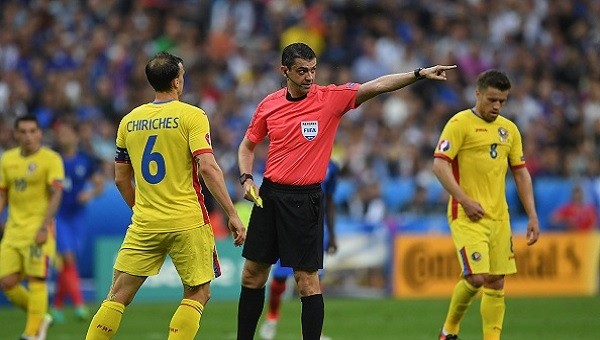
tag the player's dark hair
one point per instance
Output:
(296, 50)
(161, 70)
(26, 118)
(493, 78)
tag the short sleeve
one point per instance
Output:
(451, 139)
(56, 171)
(516, 157)
(198, 128)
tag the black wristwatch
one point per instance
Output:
(417, 73)
(244, 178)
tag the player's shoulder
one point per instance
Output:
(49, 153)
(460, 118)
(462, 115)
(12, 152)
(506, 122)
(187, 107)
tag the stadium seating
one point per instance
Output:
(397, 192)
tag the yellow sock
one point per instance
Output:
(492, 313)
(186, 320)
(106, 322)
(37, 306)
(462, 296)
(19, 296)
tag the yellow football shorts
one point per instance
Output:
(28, 259)
(192, 251)
(484, 247)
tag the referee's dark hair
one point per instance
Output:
(493, 78)
(161, 70)
(296, 50)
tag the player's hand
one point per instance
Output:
(331, 246)
(85, 197)
(473, 209)
(238, 231)
(41, 236)
(533, 231)
(437, 72)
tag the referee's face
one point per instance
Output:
(300, 76)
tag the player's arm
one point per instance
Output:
(53, 204)
(525, 190)
(245, 163)
(97, 182)
(213, 178)
(124, 182)
(3, 198)
(443, 171)
(3, 193)
(393, 82)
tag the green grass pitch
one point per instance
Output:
(351, 319)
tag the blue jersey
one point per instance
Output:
(331, 177)
(78, 171)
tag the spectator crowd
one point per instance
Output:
(83, 60)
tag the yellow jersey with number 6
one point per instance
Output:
(480, 153)
(160, 141)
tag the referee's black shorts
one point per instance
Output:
(288, 227)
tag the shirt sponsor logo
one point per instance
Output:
(444, 145)
(310, 129)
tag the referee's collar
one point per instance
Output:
(289, 97)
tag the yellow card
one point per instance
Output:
(257, 200)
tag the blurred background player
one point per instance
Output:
(31, 177)
(83, 182)
(280, 274)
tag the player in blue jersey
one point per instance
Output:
(279, 274)
(83, 182)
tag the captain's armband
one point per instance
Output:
(122, 156)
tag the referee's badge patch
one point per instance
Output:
(310, 129)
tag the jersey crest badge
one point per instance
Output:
(503, 133)
(310, 129)
(31, 168)
(444, 145)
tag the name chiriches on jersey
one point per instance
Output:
(153, 124)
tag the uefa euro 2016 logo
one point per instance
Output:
(310, 129)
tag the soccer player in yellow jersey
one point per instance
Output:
(163, 147)
(474, 151)
(31, 178)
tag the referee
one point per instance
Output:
(300, 120)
